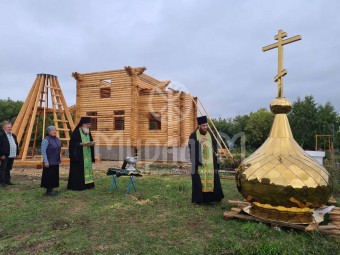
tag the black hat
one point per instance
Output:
(85, 120)
(202, 120)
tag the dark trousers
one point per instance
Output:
(5, 168)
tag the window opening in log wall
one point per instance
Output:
(105, 92)
(119, 120)
(93, 116)
(155, 121)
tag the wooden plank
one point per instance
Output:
(34, 113)
(334, 212)
(21, 116)
(334, 232)
(236, 209)
(20, 162)
(237, 202)
(311, 227)
(44, 111)
(281, 224)
(24, 115)
(333, 228)
(229, 215)
(328, 226)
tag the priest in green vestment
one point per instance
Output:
(81, 154)
(206, 185)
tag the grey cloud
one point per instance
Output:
(212, 48)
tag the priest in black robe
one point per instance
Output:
(206, 185)
(81, 154)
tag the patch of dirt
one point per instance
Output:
(22, 237)
(103, 247)
(40, 247)
(144, 202)
(77, 253)
(61, 224)
(83, 222)
(78, 207)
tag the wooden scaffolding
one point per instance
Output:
(44, 99)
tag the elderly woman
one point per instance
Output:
(50, 149)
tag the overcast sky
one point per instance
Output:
(210, 48)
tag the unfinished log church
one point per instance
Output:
(134, 114)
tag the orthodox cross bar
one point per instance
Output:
(279, 45)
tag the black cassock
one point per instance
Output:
(196, 158)
(76, 179)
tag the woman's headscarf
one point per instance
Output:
(49, 129)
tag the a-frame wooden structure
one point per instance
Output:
(44, 99)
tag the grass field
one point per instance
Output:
(158, 219)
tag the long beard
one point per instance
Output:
(85, 130)
(202, 132)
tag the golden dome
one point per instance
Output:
(280, 179)
(281, 173)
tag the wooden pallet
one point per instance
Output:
(331, 228)
(39, 164)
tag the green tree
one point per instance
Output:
(337, 134)
(327, 117)
(258, 127)
(303, 120)
(9, 109)
(224, 125)
(232, 126)
(241, 122)
(308, 118)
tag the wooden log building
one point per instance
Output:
(135, 114)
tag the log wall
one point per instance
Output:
(137, 95)
(89, 100)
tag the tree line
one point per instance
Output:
(9, 109)
(307, 118)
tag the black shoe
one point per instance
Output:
(2, 185)
(10, 183)
(52, 193)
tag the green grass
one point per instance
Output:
(158, 219)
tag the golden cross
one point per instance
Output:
(279, 45)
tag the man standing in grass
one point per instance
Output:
(8, 151)
(206, 185)
(81, 154)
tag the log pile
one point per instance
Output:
(329, 227)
